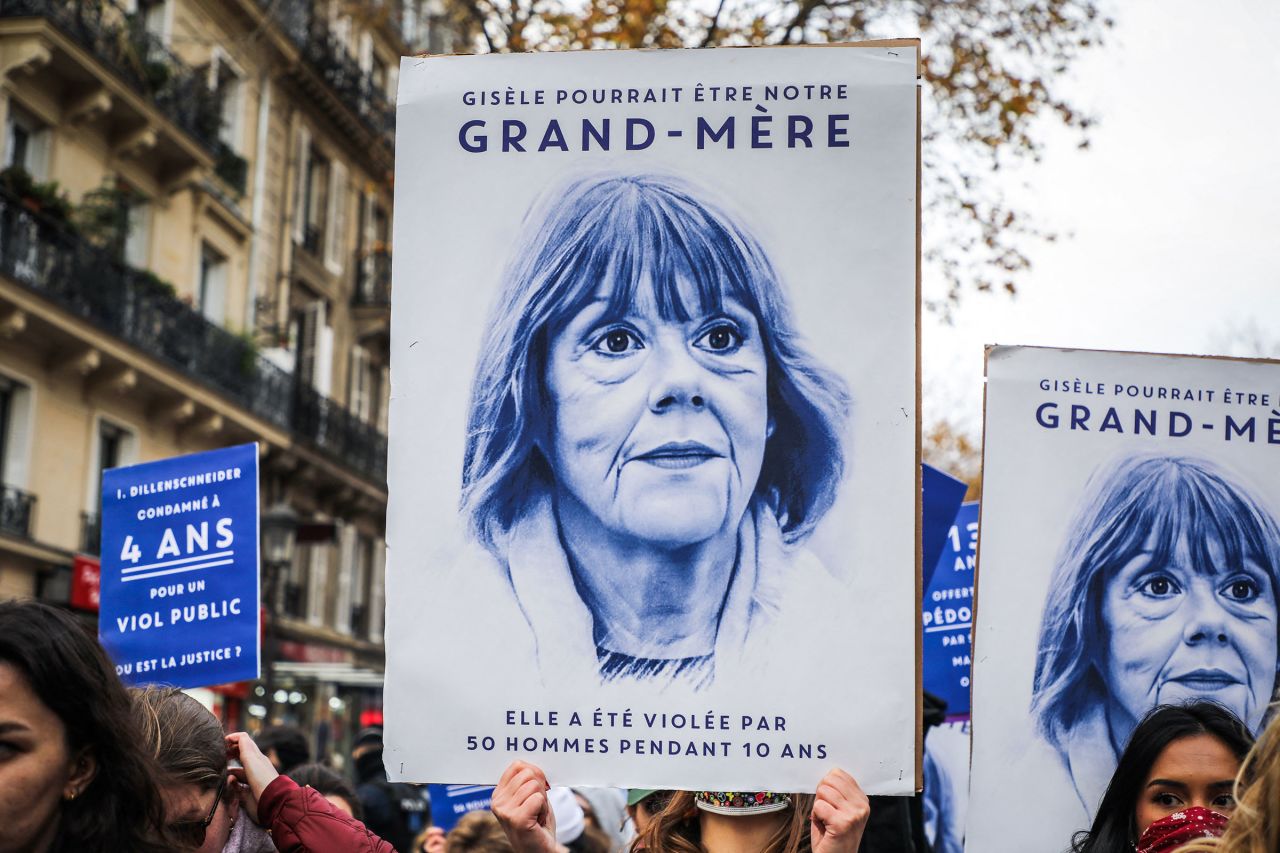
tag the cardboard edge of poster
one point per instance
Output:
(989, 348)
(869, 43)
(919, 473)
(977, 561)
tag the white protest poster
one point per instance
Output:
(653, 485)
(1129, 557)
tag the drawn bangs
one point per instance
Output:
(1170, 500)
(651, 245)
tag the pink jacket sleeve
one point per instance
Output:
(302, 821)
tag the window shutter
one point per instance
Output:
(324, 354)
(300, 185)
(317, 585)
(336, 222)
(346, 569)
(359, 397)
(376, 578)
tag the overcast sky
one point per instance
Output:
(1174, 211)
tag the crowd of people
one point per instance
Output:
(87, 764)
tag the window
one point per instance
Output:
(26, 142)
(213, 285)
(6, 418)
(364, 392)
(315, 202)
(15, 432)
(226, 81)
(114, 446)
(311, 339)
(137, 235)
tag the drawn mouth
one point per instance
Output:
(678, 454)
(1207, 680)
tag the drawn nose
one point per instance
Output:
(678, 381)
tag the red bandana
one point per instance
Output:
(1170, 833)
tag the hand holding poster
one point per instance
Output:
(1130, 557)
(654, 331)
(179, 584)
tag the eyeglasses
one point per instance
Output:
(191, 832)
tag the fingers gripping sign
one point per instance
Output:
(520, 803)
(840, 813)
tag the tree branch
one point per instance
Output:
(708, 38)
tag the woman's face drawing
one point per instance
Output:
(1179, 631)
(658, 425)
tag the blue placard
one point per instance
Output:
(948, 615)
(941, 496)
(450, 802)
(180, 569)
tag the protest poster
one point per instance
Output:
(947, 625)
(179, 574)
(450, 802)
(1128, 558)
(947, 616)
(653, 432)
(941, 496)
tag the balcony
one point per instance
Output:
(373, 278)
(335, 66)
(86, 281)
(16, 508)
(90, 533)
(136, 57)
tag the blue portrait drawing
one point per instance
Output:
(649, 444)
(653, 421)
(1164, 591)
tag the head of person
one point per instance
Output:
(1165, 591)
(783, 820)
(188, 746)
(477, 832)
(643, 804)
(1179, 757)
(641, 364)
(70, 775)
(329, 785)
(1255, 824)
(285, 746)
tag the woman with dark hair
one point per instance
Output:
(71, 776)
(649, 443)
(831, 820)
(1164, 592)
(1175, 777)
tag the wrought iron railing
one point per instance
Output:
(90, 532)
(331, 60)
(16, 509)
(136, 56)
(373, 278)
(125, 302)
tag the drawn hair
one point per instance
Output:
(637, 232)
(70, 674)
(1113, 828)
(1140, 503)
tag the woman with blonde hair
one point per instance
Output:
(1255, 823)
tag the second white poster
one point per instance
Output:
(1129, 558)
(653, 429)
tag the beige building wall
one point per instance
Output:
(67, 372)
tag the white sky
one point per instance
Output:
(1174, 213)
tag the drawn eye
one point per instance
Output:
(1242, 590)
(721, 338)
(617, 342)
(1160, 586)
